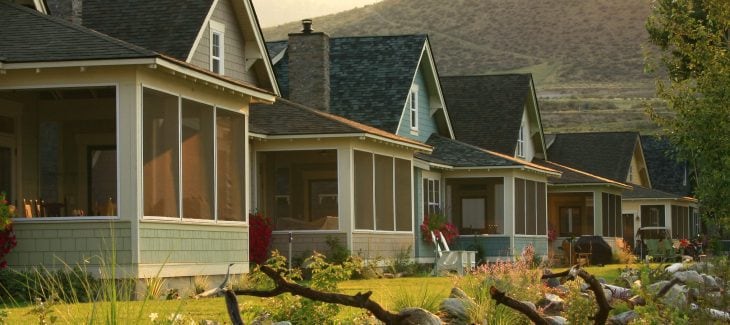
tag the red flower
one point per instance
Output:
(260, 237)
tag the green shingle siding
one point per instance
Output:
(185, 243)
(426, 124)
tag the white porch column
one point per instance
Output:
(509, 209)
(345, 195)
(597, 213)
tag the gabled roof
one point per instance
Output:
(29, 36)
(643, 193)
(665, 172)
(486, 110)
(607, 154)
(572, 176)
(456, 154)
(369, 76)
(169, 27)
(287, 118)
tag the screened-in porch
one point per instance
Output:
(58, 151)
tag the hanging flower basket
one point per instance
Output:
(440, 226)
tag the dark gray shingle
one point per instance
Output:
(458, 154)
(606, 154)
(666, 173)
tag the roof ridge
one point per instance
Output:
(65, 24)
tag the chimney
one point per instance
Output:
(309, 67)
(70, 10)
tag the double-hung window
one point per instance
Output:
(521, 142)
(431, 196)
(217, 49)
(413, 107)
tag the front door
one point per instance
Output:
(7, 158)
(628, 231)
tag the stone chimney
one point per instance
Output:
(70, 10)
(309, 67)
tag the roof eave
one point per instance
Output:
(361, 136)
(622, 186)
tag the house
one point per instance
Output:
(620, 156)
(124, 132)
(357, 109)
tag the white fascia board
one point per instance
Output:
(626, 187)
(256, 29)
(539, 171)
(434, 73)
(345, 135)
(260, 95)
(201, 30)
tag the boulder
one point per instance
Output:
(552, 304)
(622, 318)
(710, 282)
(414, 316)
(454, 309)
(688, 277)
(619, 292)
(675, 267)
(551, 282)
(556, 320)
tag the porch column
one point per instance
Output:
(597, 213)
(509, 209)
(129, 143)
(345, 206)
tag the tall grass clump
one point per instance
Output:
(520, 279)
(421, 298)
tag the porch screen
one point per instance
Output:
(652, 216)
(193, 158)
(160, 127)
(384, 193)
(231, 155)
(612, 222)
(680, 222)
(364, 190)
(403, 196)
(530, 207)
(477, 204)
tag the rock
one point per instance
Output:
(656, 286)
(529, 304)
(551, 282)
(454, 308)
(556, 320)
(676, 296)
(623, 318)
(675, 267)
(561, 289)
(602, 281)
(689, 277)
(619, 292)
(636, 301)
(552, 304)
(710, 282)
(413, 316)
(608, 293)
(286, 322)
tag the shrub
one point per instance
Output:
(260, 237)
(338, 253)
(7, 235)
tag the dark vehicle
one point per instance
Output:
(598, 248)
(655, 242)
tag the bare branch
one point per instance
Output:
(502, 298)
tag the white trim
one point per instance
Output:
(65, 219)
(256, 30)
(217, 29)
(279, 56)
(74, 64)
(413, 107)
(374, 137)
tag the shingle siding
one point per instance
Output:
(426, 123)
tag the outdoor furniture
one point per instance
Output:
(446, 259)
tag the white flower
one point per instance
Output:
(153, 316)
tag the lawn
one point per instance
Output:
(385, 292)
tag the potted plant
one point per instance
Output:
(439, 224)
(7, 235)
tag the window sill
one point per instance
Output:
(414, 131)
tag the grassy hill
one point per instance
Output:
(576, 49)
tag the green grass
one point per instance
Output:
(385, 292)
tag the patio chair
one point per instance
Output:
(446, 259)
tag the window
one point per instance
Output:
(521, 142)
(612, 223)
(431, 196)
(652, 216)
(530, 207)
(570, 221)
(217, 49)
(193, 161)
(382, 193)
(413, 107)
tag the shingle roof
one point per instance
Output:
(574, 176)
(285, 117)
(369, 77)
(455, 153)
(606, 154)
(169, 27)
(640, 192)
(29, 36)
(487, 110)
(665, 173)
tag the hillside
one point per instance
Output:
(574, 48)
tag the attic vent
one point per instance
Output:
(307, 26)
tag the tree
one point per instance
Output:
(692, 38)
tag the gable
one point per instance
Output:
(426, 124)
(606, 154)
(638, 173)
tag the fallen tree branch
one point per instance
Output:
(557, 275)
(604, 307)
(359, 300)
(502, 298)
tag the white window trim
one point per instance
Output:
(220, 30)
(413, 107)
(521, 142)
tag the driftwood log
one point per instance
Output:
(604, 307)
(519, 306)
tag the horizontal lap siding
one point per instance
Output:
(51, 244)
(372, 245)
(540, 244)
(489, 246)
(195, 244)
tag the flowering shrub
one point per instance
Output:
(440, 226)
(260, 237)
(552, 234)
(7, 235)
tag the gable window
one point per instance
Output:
(413, 107)
(217, 49)
(521, 142)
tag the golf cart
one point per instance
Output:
(654, 242)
